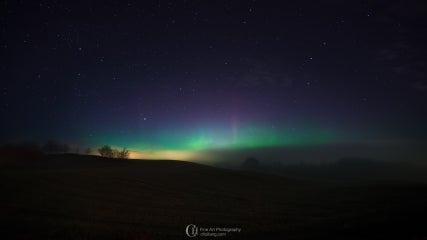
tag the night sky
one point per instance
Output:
(190, 79)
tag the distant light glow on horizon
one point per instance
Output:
(165, 155)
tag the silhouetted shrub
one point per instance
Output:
(251, 164)
(106, 151)
(124, 153)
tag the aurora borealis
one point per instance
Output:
(212, 138)
(184, 144)
(188, 80)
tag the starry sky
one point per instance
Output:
(192, 79)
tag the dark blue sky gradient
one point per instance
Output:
(153, 73)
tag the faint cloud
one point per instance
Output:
(411, 10)
(407, 63)
(420, 85)
(261, 75)
(286, 81)
(248, 81)
(388, 54)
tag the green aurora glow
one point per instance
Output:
(251, 136)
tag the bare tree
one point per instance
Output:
(124, 153)
(106, 151)
(116, 153)
(251, 164)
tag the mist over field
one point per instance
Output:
(414, 153)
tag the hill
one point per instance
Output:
(88, 197)
(357, 170)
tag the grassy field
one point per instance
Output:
(87, 197)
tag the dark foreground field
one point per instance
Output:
(83, 197)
